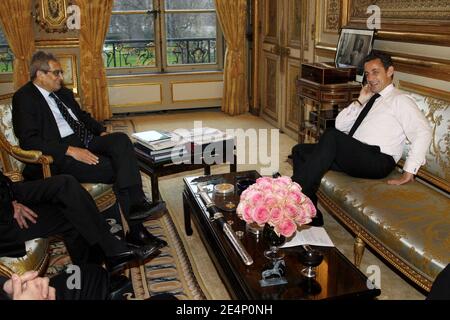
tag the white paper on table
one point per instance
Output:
(308, 235)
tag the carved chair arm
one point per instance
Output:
(33, 156)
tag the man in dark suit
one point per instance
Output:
(47, 117)
(60, 206)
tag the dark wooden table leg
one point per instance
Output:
(155, 187)
(187, 217)
(207, 170)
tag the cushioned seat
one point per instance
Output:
(413, 221)
(407, 225)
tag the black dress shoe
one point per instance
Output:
(143, 237)
(135, 253)
(119, 285)
(146, 209)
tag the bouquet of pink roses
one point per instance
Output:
(278, 202)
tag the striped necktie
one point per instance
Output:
(363, 114)
(78, 127)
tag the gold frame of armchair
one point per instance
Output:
(102, 194)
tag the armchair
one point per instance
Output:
(12, 159)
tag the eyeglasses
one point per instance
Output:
(56, 73)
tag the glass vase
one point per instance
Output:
(254, 228)
(274, 241)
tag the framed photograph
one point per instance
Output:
(69, 66)
(353, 46)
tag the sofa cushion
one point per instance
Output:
(438, 115)
(412, 220)
(6, 128)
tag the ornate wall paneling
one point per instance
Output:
(402, 20)
(413, 21)
(297, 20)
(332, 21)
(282, 39)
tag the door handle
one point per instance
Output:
(285, 51)
(276, 49)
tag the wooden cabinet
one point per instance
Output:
(327, 101)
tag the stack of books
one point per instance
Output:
(159, 145)
(163, 145)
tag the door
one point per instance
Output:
(281, 55)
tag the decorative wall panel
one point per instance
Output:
(333, 16)
(424, 21)
(433, 10)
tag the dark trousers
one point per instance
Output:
(117, 165)
(340, 152)
(63, 207)
(94, 284)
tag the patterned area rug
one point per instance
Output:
(169, 272)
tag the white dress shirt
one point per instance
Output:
(64, 129)
(393, 119)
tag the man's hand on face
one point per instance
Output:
(405, 178)
(365, 94)
(22, 214)
(82, 155)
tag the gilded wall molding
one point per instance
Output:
(332, 16)
(425, 91)
(6, 96)
(419, 65)
(58, 43)
(413, 21)
(404, 9)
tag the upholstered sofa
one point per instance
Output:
(409, 225)
(12, 159)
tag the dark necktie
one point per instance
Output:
(363, 114)
(78, 127)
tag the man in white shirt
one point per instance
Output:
(369, 137)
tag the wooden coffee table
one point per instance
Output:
(156, 169)
(337, 277)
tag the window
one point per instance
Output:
(6, 55)
(163, 35)
(191, 32)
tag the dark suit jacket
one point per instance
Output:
(10, 247)
(36, 128)
(3, 295)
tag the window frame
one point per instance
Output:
(161, 44)
(7, 76)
